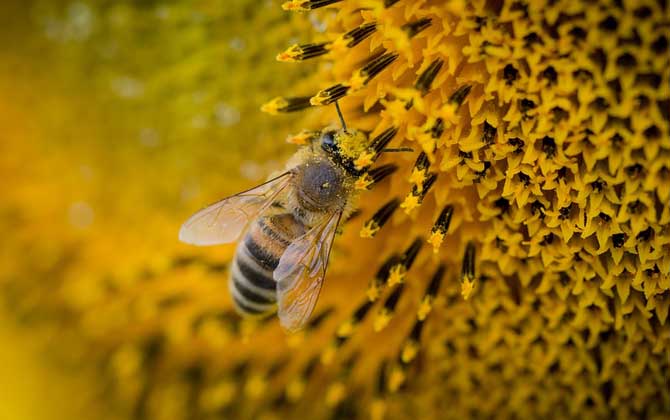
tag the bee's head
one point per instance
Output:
(328, 142)
(343, 147)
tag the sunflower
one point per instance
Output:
(512, 260)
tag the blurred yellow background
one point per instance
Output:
(117, 120)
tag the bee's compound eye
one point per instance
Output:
(328, 141)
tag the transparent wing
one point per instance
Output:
(300, 273)
(224, 221)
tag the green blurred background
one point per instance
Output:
(117, 120)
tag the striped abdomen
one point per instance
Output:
(251, 283)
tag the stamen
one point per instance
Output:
(416, 196)
(468, 271)
(413, 28)
(378, 174)
(318, 319)
(357, 35)
(426, 78)
(281, 104)
(420, 171)
(379, 219)
(460, 94)
(329, 95)
(397, 272)
(396, 379)
(303, 137)
(411, 253)
(354, 214)
(306, 5)
(386, 313)
(381, 278)
(441, 227)
(437, 129)
(411, 347)
(433, 287)
(383, 139)
(378, 406)
(341, 117)
(296, 387)
(375, 66)
(299, 52)
(337, 391)
(344, 331)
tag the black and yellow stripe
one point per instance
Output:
(252, 285)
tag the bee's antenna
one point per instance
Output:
(339, 114)
(398, 149)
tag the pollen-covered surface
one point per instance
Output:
(545, 130)
(515, 264)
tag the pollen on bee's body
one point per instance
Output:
(300, 52)
(379, 219)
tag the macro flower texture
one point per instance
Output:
(510, 259)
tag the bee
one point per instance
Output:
(285, 229)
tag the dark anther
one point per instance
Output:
(645, 235)
(518, 143)
(526, 105)
(608, 24)
(537, 207)
(502, 204)
(618, 240)
(634, 171)
(550, 74)
(564, 212)
(549, 146)
(510, 74)
(548, 239)
(488, 133)
(460, 94)
(652, 132)
(626, 60)
(525, 179)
